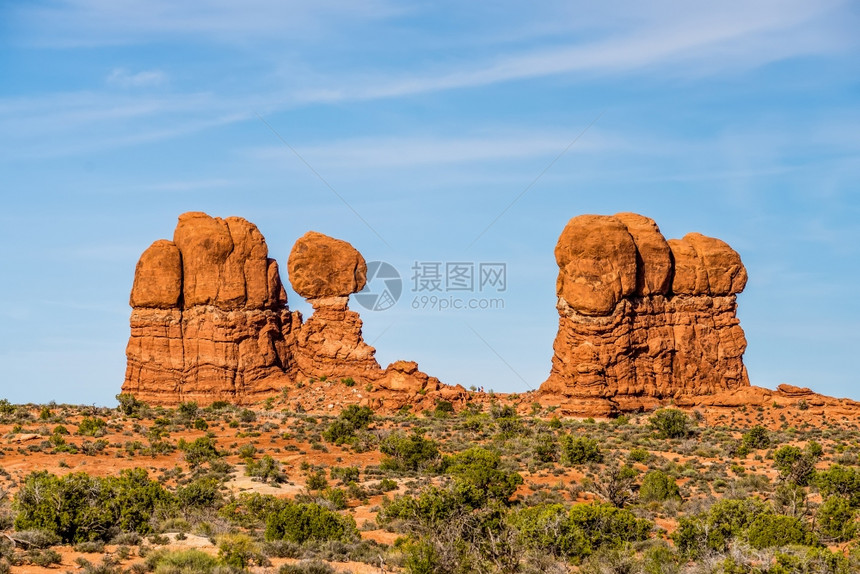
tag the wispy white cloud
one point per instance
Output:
(122, 78)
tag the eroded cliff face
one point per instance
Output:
(210, 320)
(642, 319)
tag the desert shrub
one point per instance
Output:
(790, 499)
(656, 485)
(351, 419)
(78, 507)
(282, 549)
(203, 449)
(265, 469)
(299, 522)
(38, 538)
(478, 477)
(510, 426)
(129, 405)
(181, 561)
(187, 411)
(250, 510)
(615, 484)
(670, 423)
(443, 409)
(92, 426)
(836, 519)
(840, 481)
(307, 567)
(580, 450)
(796, 465)
(336, 497)
(545, 448)
(247, 416)
(716, 528)
(638, 455)
(421, 558)
(316, 480)
(345, 474)
(812, 561)
(775, 530)
(578, 531)
(44, 558)
(430, 510)
(239, 550)
(90, 547)
(403, 453)
(756, 438)
(203, 492)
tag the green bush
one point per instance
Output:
(836, 520)
(204, 492)
(638, 455)
(299, 522)
(203, 449)
(44, 558)
(78, 507)
(478, 477)
(579, 531)
(129, 405)
(796, 465)
(413, 452)
(239, 550)
(776, 530)
(580, 450)
(545, 448)
(307, 567)
(181, 561)
(421, 558)
(670, 423)
(430, 510)
(840, 481)
(351, 419)
(715, 529)
(266, 469)
(756, 438)
(656, 485)
(92, 426)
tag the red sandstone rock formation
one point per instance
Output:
(642, 319)
(210, 320)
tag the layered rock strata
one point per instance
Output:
(642, 319)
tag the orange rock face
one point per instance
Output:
(321, 266)
(642, 319)
(210, 319)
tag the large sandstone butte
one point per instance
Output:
(210, 321)
(642, 319)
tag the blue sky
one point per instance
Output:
(735, 119)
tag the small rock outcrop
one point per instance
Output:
(642, 319)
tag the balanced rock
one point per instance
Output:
(321, 266)
(210, 320)
(642, 319)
